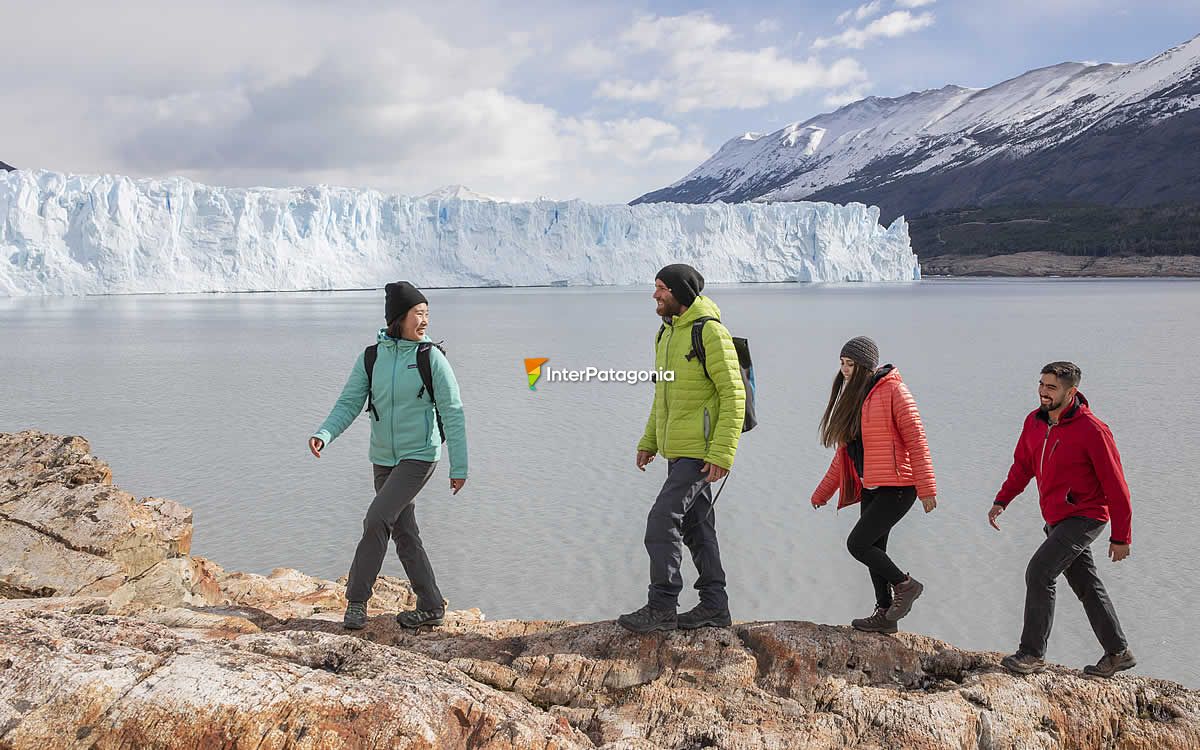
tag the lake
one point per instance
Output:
(209, 400)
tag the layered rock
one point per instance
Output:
(146, 646)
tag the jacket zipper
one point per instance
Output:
(1042, 461)
(392, 421)
(665, 401)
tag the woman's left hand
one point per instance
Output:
(456, 485)
(929, 502)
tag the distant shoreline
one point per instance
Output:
(1043, 264)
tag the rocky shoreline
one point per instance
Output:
(1045, 264)
(113, 635)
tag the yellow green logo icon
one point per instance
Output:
(533, 367)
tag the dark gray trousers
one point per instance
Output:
(1066, 551)
(392, 515)
(683, 512)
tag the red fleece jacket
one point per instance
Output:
(1077, 467)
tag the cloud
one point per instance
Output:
(304, 94)
(591, 60)
(894, 24)
(863, 12)
(914, 3)
(698, 69)
(767, 26)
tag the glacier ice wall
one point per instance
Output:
(70, 234)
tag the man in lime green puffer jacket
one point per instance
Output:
(695, 423)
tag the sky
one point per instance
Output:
(520, 99)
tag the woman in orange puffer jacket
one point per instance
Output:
(882, 461)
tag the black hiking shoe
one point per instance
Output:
(1110, 664)
(1023, 663)
(356, 616)
(876, 623)
(903, 596)
(648, 619)
(415, 618)
(702, 616)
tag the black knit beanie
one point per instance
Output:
(399, 298)
(685, 282)
(863, 351)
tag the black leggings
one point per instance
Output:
(882, 508)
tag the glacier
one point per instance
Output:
(103, 234)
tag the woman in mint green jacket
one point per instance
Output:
(406, 444)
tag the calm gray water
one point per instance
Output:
(209, 400)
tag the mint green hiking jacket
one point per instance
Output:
(407, 425)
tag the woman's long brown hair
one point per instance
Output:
(842, 421)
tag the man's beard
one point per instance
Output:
(1053, 406)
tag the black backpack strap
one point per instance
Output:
(698, 342)
(425, 368)
(369, 356)
(661, 329)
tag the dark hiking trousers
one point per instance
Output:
(1066, 551)
(882, 508)
(392, 515)
(683, 512)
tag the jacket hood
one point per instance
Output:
(702, 307)
(886, 372)
(1078, 410)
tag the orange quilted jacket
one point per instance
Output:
(895, 452)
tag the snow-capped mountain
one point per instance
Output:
(6, 167)
(63, 234)
(1106, 133)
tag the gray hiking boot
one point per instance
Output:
(1110, 664)
(876, 623)
(415, 618)
(702, 616)
(903, 596)
(356, 616)
(648, 619)
(1023, 663)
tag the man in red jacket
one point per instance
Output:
(1081, 486)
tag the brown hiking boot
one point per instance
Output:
(1023, 663)
(1110, 664)
(876, 623)
(903, 596)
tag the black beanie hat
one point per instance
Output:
(685, 282)
(399, 298)
(863, 351)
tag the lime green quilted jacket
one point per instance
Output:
(696, 416)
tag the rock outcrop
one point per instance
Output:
(134, 643)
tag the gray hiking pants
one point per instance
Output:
(1066, 551)
(392, 515)
(683, 512)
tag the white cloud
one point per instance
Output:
(894, 24)
(767, 26)
(698, 69)
(863, 12)
(303, 94)
(914, 3)
(591, 60)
